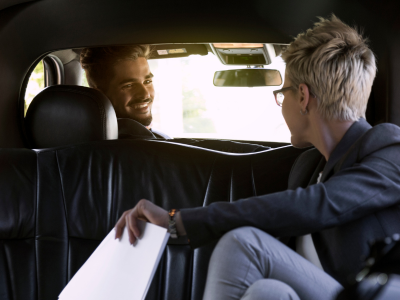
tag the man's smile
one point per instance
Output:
(141, 107)
(137, 106)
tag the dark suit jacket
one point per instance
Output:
(356, 202)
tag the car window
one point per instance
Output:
(84, 79)
(35, 85)
(188, 105)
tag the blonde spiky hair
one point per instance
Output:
(334, 60)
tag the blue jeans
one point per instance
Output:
(249, 264)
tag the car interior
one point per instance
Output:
(69, 167)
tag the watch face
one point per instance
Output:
(172, 212)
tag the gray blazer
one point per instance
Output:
(356, 202)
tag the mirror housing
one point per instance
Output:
(244, 53)
(248, 78)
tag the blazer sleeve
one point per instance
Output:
(370, 184)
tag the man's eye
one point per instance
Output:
(148, 81)
(127, 86)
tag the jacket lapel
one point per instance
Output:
(320, 167)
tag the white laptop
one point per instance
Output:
(118, 270)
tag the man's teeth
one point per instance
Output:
(143, 105)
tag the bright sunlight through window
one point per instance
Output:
(188, 105)
(35, 85)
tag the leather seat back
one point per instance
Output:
(100, 180)
(58, 204)
(66, 114)
(18, 269)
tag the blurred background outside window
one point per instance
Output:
(187, 104)
(35, 85)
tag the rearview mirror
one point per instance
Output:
(248, 77)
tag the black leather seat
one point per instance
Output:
(67, 114)
(93, 183)
(222, 145)
(73, 195)
(18, 268)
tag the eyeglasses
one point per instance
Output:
(278, 94)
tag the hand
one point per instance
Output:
(144, 210)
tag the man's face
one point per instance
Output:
(131, 90)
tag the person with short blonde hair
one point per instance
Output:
(334, 60)
(351, 198)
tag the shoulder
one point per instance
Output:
(385, 129)
(160, 135)
(379, 137)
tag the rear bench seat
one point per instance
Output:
(57, 204)
(18, 268)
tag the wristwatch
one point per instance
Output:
(172, 224)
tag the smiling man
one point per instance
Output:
(123, 74)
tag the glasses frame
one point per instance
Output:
(280, 91)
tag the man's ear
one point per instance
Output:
(106, 94)
(101, 90)
(304, 93)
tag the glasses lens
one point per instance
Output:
(279, 98)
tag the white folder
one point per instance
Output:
(118, 270)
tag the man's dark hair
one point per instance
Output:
(97, 62)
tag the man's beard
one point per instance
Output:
(145, 121)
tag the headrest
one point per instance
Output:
(69, 114)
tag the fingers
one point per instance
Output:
(119, 227)
(129, 219)
(131, 234)
(144, 210)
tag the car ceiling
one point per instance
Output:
(7, 3)
(31, 29)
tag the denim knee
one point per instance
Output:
(270, 289)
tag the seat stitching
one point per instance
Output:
(209, 182)
(252, 178)
(231, 186)
(36, 217)
(65, 210)
(7, 267)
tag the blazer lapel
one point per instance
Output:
(319, 169)
(351, 136)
